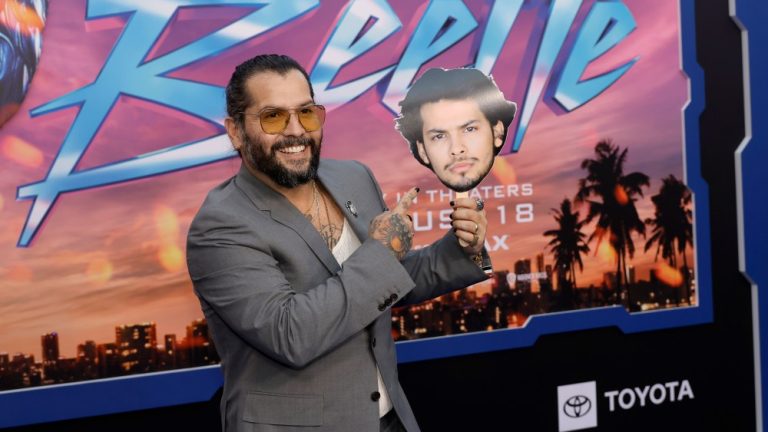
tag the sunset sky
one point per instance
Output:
(115, 255)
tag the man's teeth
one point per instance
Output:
(293, 149)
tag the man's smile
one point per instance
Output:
(293, 149)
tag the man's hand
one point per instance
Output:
(394, 228)
(470, 224)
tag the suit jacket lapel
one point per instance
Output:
(282, 211)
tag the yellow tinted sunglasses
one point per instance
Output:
(275, 120)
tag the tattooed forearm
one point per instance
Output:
(393, 232)
(399, 236)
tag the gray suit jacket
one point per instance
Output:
(299, 336)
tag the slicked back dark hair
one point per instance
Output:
(452, 84)
(238, 98)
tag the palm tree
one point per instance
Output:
(611, 196)
(672, 224)
(568, 242)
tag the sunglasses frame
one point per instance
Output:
(292, 111)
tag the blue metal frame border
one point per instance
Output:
(751, 178)
(108, 396)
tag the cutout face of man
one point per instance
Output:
(455, 122)
(458, 142)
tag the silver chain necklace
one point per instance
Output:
(313, 205)
(330, 224)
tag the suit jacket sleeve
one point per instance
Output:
(437, 269)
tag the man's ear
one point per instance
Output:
(235, 135)
(498, 134)
(422, 152)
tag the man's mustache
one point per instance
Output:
(462, 160)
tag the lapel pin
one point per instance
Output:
(351, 208)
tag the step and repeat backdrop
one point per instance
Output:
(599, 212)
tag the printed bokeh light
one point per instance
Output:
(169, 254)
(99, 270)
(22, 152)
(171, 258)
(669, 275)
(504, 171)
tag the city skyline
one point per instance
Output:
(135, 349)
(39, 353)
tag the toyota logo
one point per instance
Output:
(577, 406)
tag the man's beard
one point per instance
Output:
(467, 184)
(269, 164)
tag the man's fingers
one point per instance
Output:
(465, 238)
(406, 201)
(466, 214)
(467, 203)
(469, 223)
(468, 226)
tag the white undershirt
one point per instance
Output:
(348, 244)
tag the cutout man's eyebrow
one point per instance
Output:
(438, 131)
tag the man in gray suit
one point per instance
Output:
(296, 262)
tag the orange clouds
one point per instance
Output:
(19, 273)
(21, 152)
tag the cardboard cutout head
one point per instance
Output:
(455, 122)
